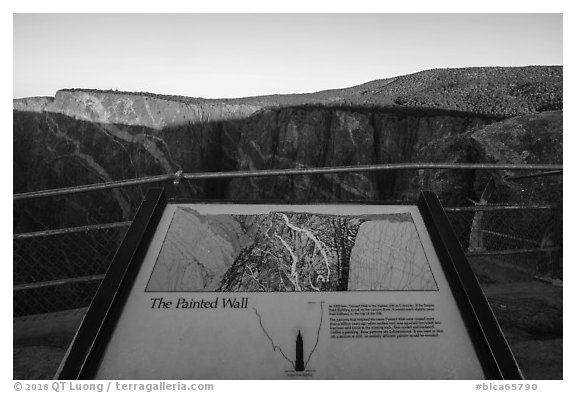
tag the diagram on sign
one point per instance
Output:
(290, 251)
(299, 362)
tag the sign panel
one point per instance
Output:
(255, 291)
(285, 291)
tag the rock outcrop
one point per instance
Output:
(529, 139)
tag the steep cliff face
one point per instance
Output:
(155, 112)
(312, 136)
(33, 104)
(87, 136)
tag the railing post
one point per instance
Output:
(557, 239)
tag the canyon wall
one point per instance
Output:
(55, 150)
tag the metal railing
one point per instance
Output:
(492, 229)
(178, 176)
(62, 268)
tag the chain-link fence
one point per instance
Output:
(484, 229)
(525, 238)
(61, 269)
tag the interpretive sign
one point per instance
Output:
(262, 291)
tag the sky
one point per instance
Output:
(239, 55)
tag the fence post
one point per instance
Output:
(557, 239)
(476, 242)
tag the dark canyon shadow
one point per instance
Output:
(53, 150)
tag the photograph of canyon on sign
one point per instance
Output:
(296, 156)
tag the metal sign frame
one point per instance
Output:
(85, 353)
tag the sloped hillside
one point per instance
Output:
(497, 91)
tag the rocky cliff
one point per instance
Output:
(528, 139)
(87, 136)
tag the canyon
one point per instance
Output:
(83, 136)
